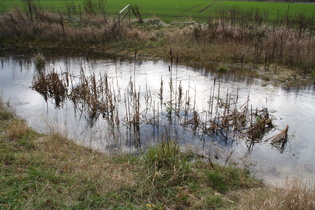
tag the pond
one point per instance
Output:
(114, 104)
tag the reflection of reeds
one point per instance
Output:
(50, 86)
(223, 118)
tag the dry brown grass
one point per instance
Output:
(49, 26)
(64, 173)
(17, 129)
(256, 45)
(295, 195)
(85, 163)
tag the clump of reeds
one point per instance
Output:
(261, 122)
(227, 120)
(280, 140)
(50, 86)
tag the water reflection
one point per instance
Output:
(114, 129)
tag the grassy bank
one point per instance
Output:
(50, 172)
(39, 171)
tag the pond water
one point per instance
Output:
(142, 114)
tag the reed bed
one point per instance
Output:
(135, 106)
(255, 44)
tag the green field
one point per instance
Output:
(169, 10)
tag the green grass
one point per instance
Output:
(272, 7)
(179, 10)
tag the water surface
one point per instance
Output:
(294, 108)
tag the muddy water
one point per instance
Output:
(294, 108)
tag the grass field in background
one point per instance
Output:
(169, 10)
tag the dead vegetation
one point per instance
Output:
(50, 86)
(38, 25)
(252, 44)
(242, 37)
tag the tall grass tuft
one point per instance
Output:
(167, 168)
(165, 156)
